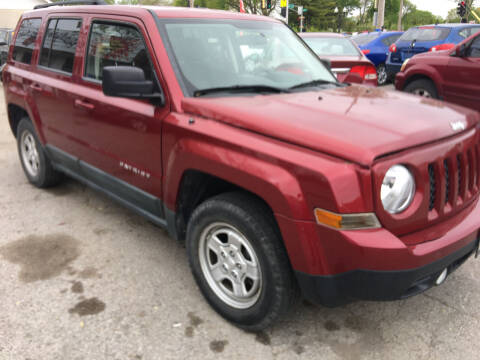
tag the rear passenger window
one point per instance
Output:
(115, 45)
(25, 41)
(60, 43)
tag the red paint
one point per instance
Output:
(328, 149)
(356, 64)
(455, 77)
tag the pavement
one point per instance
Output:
(84, 279)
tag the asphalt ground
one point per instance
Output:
(84, 278)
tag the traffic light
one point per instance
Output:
(269, 4)
(283, 12)
(462, 9)
(264, 4)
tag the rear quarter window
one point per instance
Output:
(25, 40)
(425, 34)
(467, 32)
(364, 39)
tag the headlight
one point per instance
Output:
(398, 189)
(404, 65)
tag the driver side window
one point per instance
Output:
(115, 45)
(474, 49)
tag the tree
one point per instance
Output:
(344, 9)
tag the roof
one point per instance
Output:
(458, 25)
(161, 11)
(320, 35)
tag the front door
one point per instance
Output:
(463, 85)
(120, 137)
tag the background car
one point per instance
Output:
(5, 39)
(375, 46)
(426, 38)
(344, 54)
(452, 75)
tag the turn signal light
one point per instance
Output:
(392, 48)
(346, 221)
(367, 72)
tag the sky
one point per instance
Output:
(438, 7)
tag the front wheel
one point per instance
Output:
(238, 260)
(422, 87)
(382, 75)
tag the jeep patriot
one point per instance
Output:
(228, 131)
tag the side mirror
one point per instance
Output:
(327, 63)
(354, 78)
(128, 82)
(461, 50)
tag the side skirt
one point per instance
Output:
(133, 198)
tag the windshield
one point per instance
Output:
(425, 34)
(363, 39)
(332, 46)
(236, 53)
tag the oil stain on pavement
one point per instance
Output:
(195, 321)
(218, 345)
(41, 257)
(90, 306)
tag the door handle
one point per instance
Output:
(36, 87)
(84, 104)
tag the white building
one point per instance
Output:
(11, 10)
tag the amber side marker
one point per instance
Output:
(346, 221)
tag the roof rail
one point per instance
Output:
(71, 2)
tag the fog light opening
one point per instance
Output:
(442, 277)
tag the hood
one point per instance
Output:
(355, 123)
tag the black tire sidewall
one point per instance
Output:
(422, 84)
(217, 211)
(39, 180)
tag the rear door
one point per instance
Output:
(54, 82)
(462, 77)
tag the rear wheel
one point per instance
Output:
(382, 74)
(237, 257)
(422, 87)
(35, 162)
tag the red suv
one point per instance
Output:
(227, 130)
(452, 75)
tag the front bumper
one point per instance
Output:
(392, 70)
(400, 81)
(335, 290)
(337, 267)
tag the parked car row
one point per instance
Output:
(229, 132)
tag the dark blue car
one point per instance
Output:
(426, 38)
(375, 46)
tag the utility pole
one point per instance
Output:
(381, 14)
(400, 16)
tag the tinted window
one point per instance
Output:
(465, 33)
(25, 41)
(390, 39)
(474, 50)
(425, 34)
(364, 39)
(58, 51)
(115, 45)
(332, 46)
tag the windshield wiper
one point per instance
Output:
(241, 89)
(316, 83)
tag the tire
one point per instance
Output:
(35, 162)
(258, 251)
(422, 87)
(382, 75)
